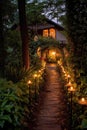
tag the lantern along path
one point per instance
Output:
(53, 111)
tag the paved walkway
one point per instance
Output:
(53, 109)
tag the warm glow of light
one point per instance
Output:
(71, 89)
(38, 75)
(35, 75)
(68, 76)
(65, 75)
(52, 32)
(39, 71)
(49, 32)
(53, 53)
(39, 52)
(69, 84)
(45, 33)
(29, 82)
(82, 101)
(64, 71)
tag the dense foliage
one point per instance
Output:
(17, 100)
(7, 10)
(77, 62)
(14, 91)
(37, 10)
(77, 28)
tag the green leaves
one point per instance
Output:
(15, 105)
(77, 32)
(34, 12)
(84, 123)
(10, 105)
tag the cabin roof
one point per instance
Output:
(45, 25)
(55, 24)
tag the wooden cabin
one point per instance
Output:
(49, 29)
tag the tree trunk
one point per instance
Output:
(24, 33)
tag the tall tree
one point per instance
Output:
(34, 12)
(77, 28)
(55, 9)
(36, 9)
(24, 33)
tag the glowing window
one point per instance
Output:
(45, 33)
(52, 33)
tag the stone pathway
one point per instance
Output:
(53, 113)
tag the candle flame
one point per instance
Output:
(35, 75)
(68, 76)
(71, 88)
(83, 99)
(53, 53)
(29, 82)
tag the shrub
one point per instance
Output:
(11, 111)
